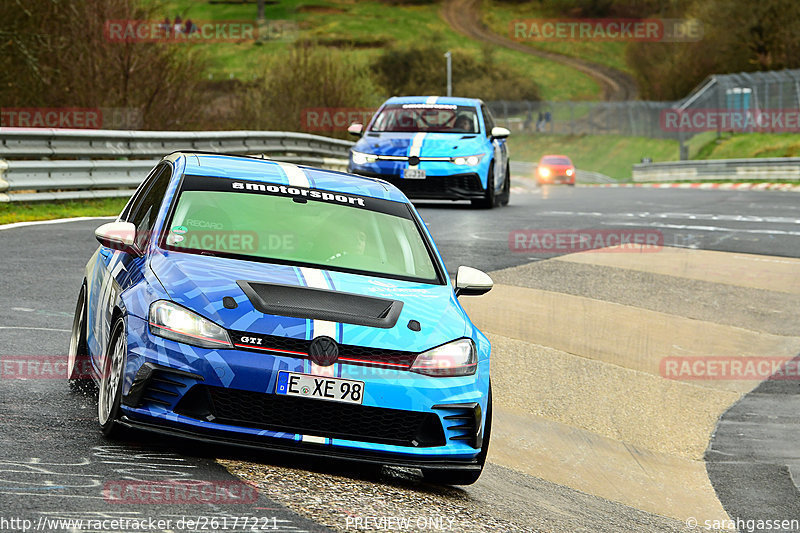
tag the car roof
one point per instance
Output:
(269, 171)
(451, 100)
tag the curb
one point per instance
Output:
(706, 186)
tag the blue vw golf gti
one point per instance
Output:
(276, 306)
(434, 147)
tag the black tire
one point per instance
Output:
(489, 200)
(505, 196)
(78, 362)
(110, 393)
(460, 477)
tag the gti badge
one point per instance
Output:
(323, 351)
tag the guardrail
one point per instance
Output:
(51, 164)
(772, 169)
(115, 144)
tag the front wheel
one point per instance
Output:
(489, 199)
(505, 196)
(459, 477)
(113, 366)
(78, 365)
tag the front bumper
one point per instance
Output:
(229, 396)
(466, 186)
(311, 450)
(558, 178)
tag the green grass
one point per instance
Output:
(368, 27)
(746, 145)
(615, 155)
(23, 212)
(498, 16)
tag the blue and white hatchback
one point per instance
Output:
(277, 306)
(433, 147)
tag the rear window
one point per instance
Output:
(431, 118)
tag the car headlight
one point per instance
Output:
(171, 321)
(468, 160)
(360, 158)
(544, 172)
(570, 172)
(457, 358)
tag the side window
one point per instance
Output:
(143, 213)
(136, 199)
(488, 120)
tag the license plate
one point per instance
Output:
(320, 387)
(414, 174)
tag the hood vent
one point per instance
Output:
(322, 304)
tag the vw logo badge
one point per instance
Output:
(323, 351)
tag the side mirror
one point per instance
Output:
(500, 133)
(472, 282)
(355, 129)
(119, 236)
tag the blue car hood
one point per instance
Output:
(433, 144)
(201, 282)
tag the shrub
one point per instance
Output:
(421, 70)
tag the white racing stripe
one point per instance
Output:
(295, 174)
(416, 146)
(316, 279)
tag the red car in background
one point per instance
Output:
(555, 169)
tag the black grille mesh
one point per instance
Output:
(312, 417)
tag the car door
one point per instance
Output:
(115, 270)
(498, 147)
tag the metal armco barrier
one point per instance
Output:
(772, 169)
(51, 164)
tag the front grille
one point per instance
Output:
(459, 185)
(464, 419)
(312, 417)
(350, 354)
(158, 385)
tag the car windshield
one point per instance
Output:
(292, 225)
(556, 161)
(438, 118)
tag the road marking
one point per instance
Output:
(707, 228)
(691, 216)
(38, 329)
(54, 221)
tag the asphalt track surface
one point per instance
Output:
(54, 463)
